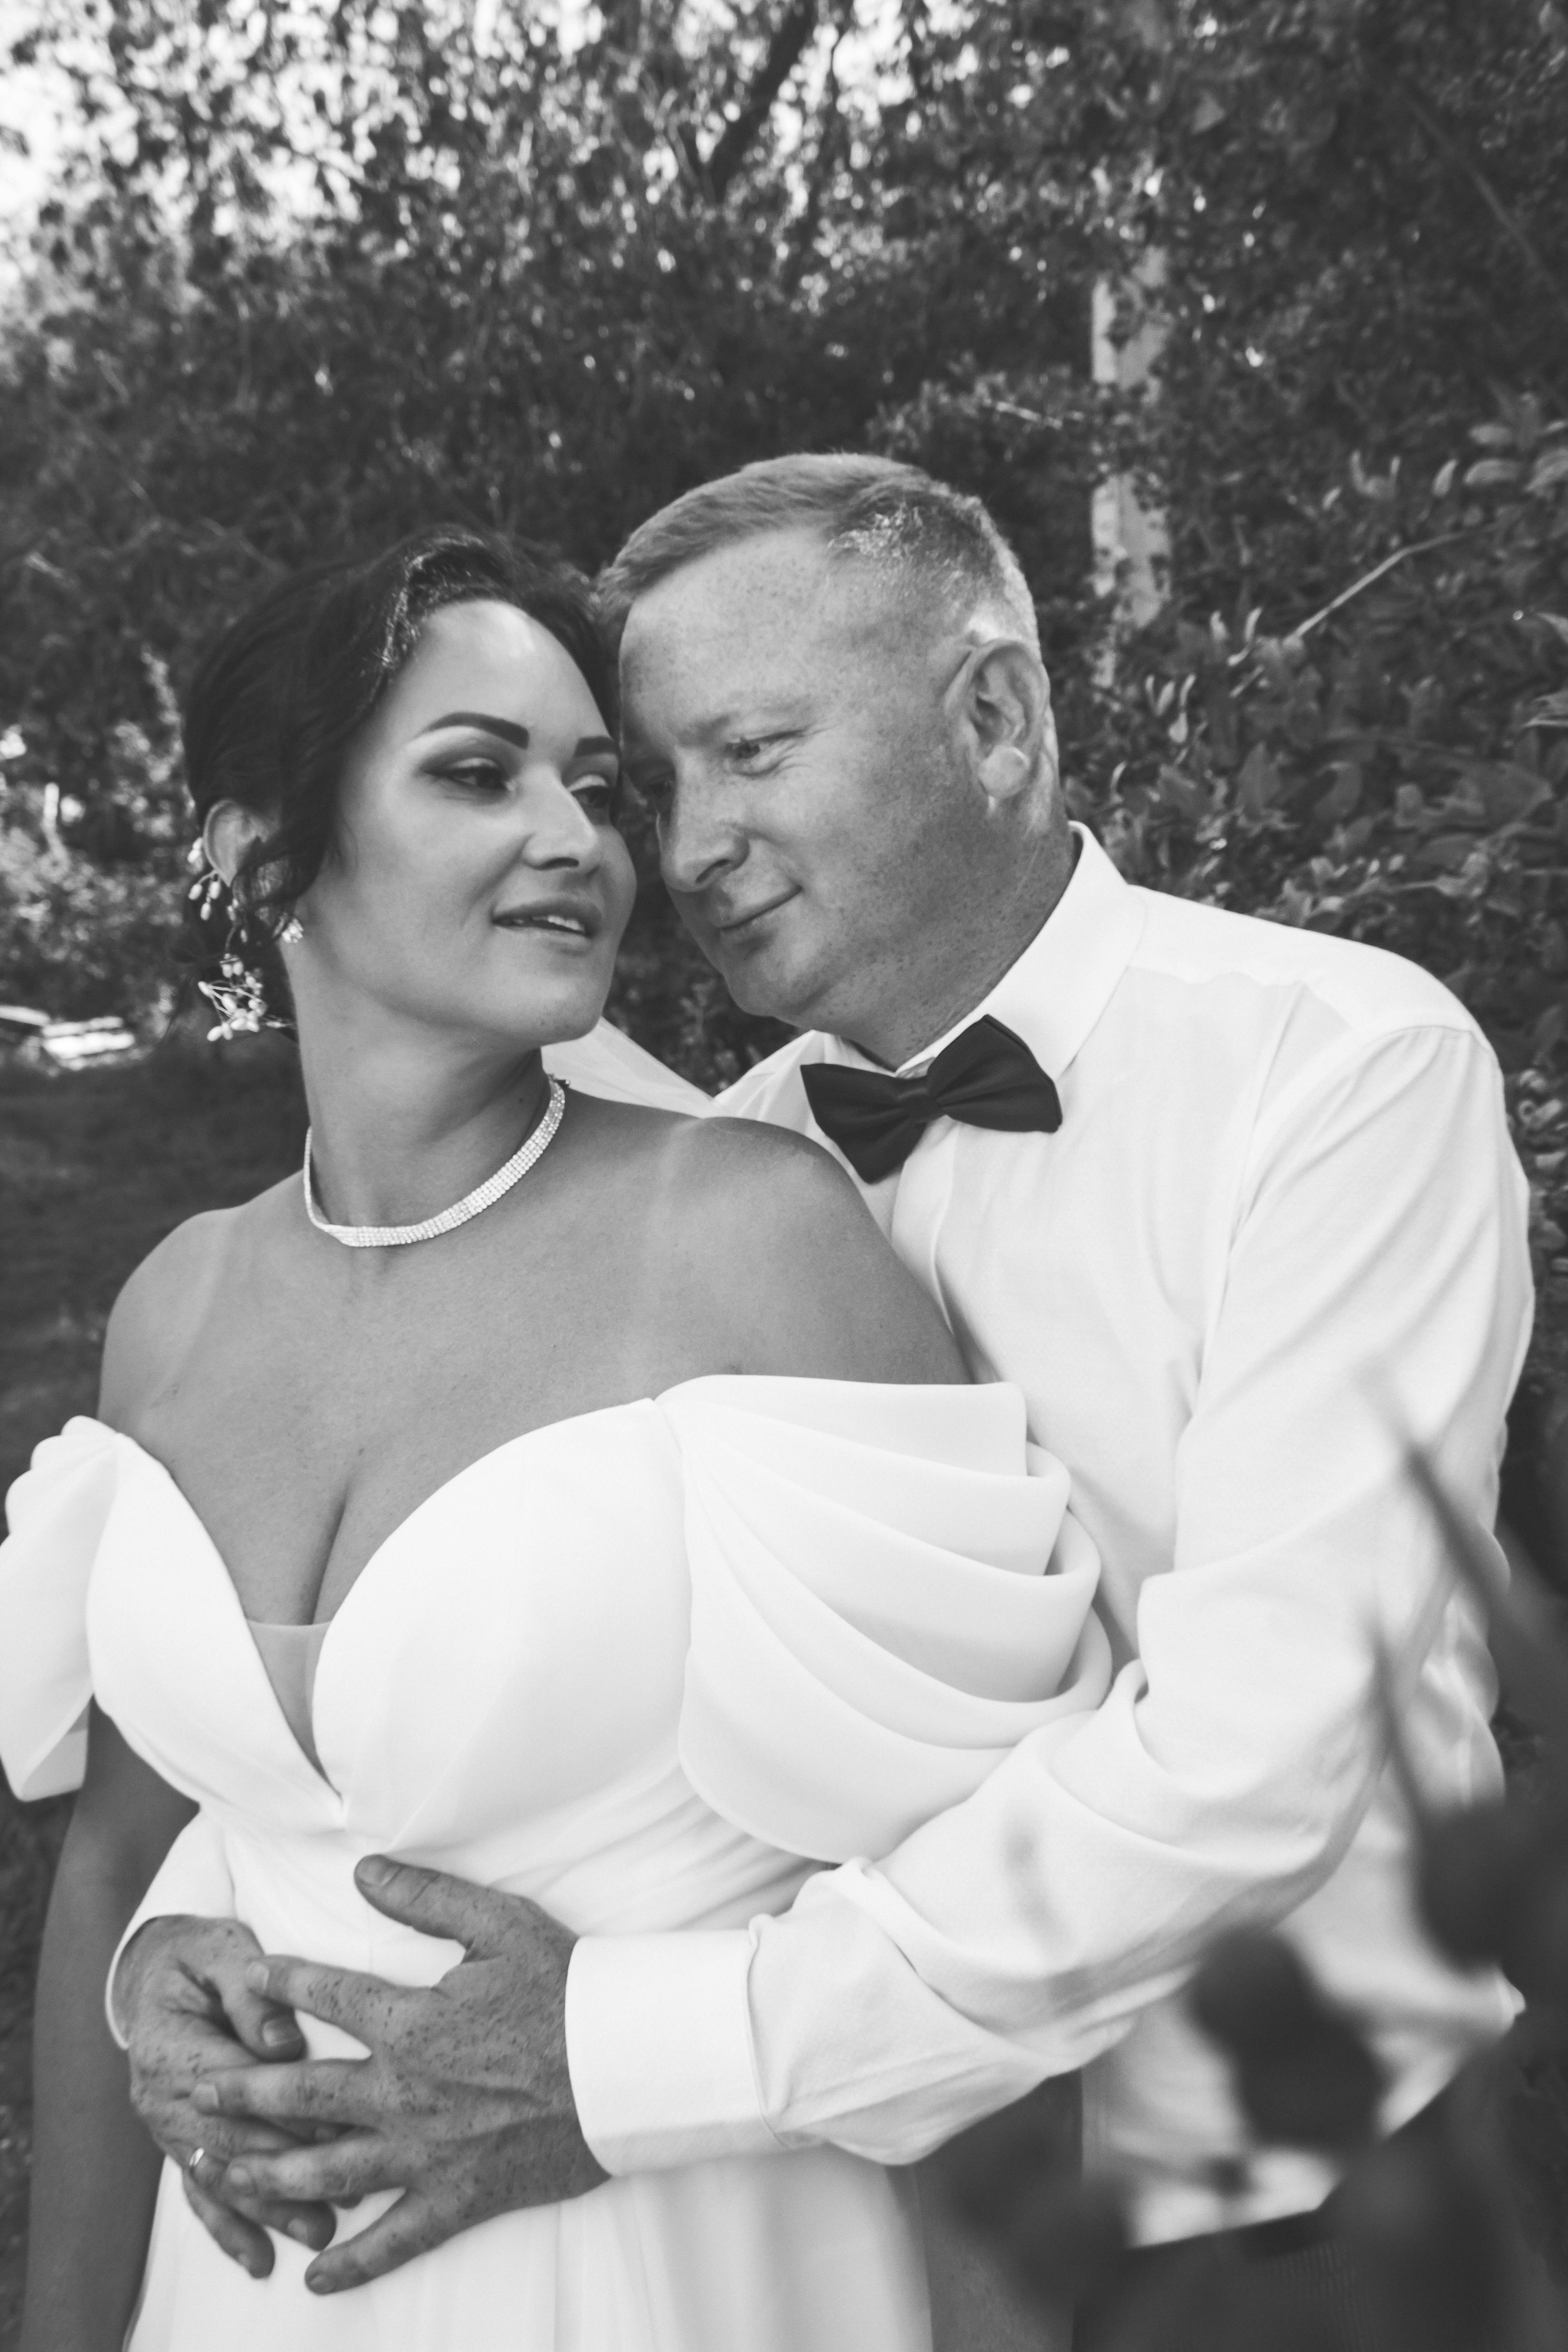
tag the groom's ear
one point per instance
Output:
(1008, 729)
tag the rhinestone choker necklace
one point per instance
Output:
(483, 1196)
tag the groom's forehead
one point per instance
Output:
(771, 578)
(779, 606)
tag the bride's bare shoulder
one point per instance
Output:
(165, 1300)
(770, 1228)
(746, 1153)
(714, 1162)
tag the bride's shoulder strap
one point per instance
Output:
(56, 1511)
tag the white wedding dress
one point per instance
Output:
(647, 1666)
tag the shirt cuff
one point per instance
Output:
(658, 2046)
(192, 1878)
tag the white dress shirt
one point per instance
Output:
(1281, 1231)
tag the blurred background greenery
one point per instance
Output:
(94, 1169)
(1247, 318)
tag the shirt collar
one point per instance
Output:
(1056, 992)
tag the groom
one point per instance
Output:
(1261, 1228)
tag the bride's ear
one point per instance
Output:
(231, 832)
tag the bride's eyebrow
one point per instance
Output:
(506, 728)
(587, 746)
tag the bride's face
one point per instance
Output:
(478, 884)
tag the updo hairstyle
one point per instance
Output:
(279, 698)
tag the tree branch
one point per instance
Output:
(793, 31)
(1453, 154)
(1422, 547)
(805, 242)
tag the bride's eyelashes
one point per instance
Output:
(598, 794)
(475, 775)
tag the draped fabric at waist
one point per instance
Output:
(645, 1855)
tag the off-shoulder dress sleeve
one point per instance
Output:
(56, 1511)
(888, 1593)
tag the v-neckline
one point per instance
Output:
(482, 1461)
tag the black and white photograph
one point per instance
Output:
(784, 1175)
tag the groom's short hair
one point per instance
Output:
(937, 544)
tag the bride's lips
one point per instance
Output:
(561, 918)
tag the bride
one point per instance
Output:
(551, 1487)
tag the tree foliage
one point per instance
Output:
(311, 275)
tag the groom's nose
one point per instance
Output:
(699, 840)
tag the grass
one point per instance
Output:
(95, 1169)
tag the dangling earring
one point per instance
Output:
(208, 886)
(239, 994)
(237, 998)
(292, 933)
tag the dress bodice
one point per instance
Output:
(832, 1599)
(647, 1666)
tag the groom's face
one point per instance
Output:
(784, 717)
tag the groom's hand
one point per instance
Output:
(464, 2102)
(181, 2001)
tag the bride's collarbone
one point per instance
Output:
(480, 1277)
(325, 1394)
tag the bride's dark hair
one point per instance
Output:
(279, 696)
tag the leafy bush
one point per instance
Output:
(1391, 767)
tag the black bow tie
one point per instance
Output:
(986, 1078)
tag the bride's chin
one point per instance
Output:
(554, 1017)
(546, 1009)
(579, 1027)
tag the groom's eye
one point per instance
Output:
(654, 790)
(749, 750)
